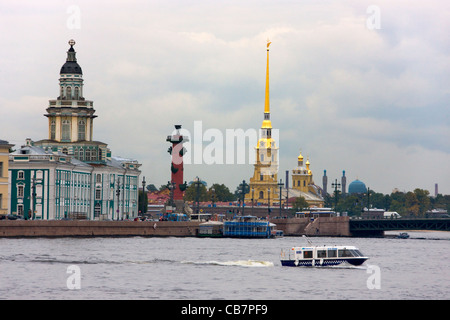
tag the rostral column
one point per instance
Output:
(176, 184)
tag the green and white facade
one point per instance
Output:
(69, 175)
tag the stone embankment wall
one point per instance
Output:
(80, 228)
(324, 226)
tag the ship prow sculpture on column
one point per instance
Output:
(176, 203)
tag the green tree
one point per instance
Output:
(328, 201)
(398, 202)
(239, 189)
(300, 204)
(220, 193)
(142, 199)
(191, 193)
(352, 204)
(423, 198)
(377, 200)
(412, 204)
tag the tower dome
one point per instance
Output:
(71, 66)
(357, 186)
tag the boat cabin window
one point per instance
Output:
(321, 254)
(332, 253)
(345, 253)
(356, 253)
(307, 254)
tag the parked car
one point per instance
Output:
(14, 217)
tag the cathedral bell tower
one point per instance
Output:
(263, 184)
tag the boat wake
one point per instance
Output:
(236, 263)
(346, 265)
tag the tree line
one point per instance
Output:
(412, 203)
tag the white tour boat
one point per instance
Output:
(310, 256)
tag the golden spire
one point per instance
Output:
(267, 104)
(266, 123)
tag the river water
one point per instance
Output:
(198, 268)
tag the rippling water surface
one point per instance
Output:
(195, 268)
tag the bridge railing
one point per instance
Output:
(441, 224)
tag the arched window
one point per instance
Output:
(77, 93)
(69, 93)
(81, 130)
(52, 130)
(88, 155)
(261, 194)
(65, 130)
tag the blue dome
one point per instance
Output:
(357, 187)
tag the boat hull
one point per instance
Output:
(323, 262)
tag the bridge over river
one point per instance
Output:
(365, 227)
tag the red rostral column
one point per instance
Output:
(177, 151)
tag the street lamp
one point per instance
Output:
(268, 204)
(335, 185)
(280, 185)
(34, 197)
(197, 186)
(243, 195)
(118, 198)
(253, 198)
(143, 196)
(213, 196)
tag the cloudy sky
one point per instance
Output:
(361, 86)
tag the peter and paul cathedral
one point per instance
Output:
(264, 187)
(263, 184)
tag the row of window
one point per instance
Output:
(86, 154)
(66, 130)
(333, 253)
(68, 94)
(298, 183)
(38, 175)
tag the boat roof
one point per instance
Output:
(324, 247)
